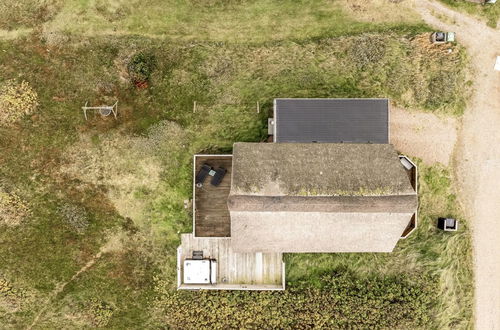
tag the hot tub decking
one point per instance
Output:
(235, 271)
(210, 213)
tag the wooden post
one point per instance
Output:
(85, 110)
(115, 107)
(258, 107)
(194, 106)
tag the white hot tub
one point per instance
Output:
(200, 271)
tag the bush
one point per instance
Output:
(12, 209)
(341, 301)
(141, 67)
(16, 101)
(75, 217)
(99, 312)
(11, 297)
(368, 49)
(9, 291)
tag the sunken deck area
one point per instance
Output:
(210, 212)
(234, 271)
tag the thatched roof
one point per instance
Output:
(316, 231)
(393, 204)
(317, 169)
(293, 197)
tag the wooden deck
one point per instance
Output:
(210, 213)
(236, 271)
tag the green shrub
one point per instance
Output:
(75, 217)
(368, 49)
(100, 312)
(12, 209)
(16, 101)
(141, 66)
(12, 298)
(342, 300)
(9, 291)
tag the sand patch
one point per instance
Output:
(423, 135)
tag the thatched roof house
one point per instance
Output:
(318, 197)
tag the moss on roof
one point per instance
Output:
(318, 169)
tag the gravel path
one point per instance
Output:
(477, 157)
(423, 135)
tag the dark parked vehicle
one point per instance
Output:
(442, 37)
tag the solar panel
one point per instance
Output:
(332, 120)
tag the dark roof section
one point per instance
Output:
(332, 120)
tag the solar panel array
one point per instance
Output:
(332, 120)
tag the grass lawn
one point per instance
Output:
(214, 20)
(107, 197)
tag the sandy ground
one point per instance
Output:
(13, 34)
(423, 135)
(477, 155)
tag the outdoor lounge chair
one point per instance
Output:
(202, 174)
(218, 176)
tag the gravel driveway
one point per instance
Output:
(477, 155)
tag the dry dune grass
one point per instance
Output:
(208, 20)
(26, 13)
(14, 34)
(368, 64)
(114, 243)
(129, 167)
(389, 11)
(112, 165)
